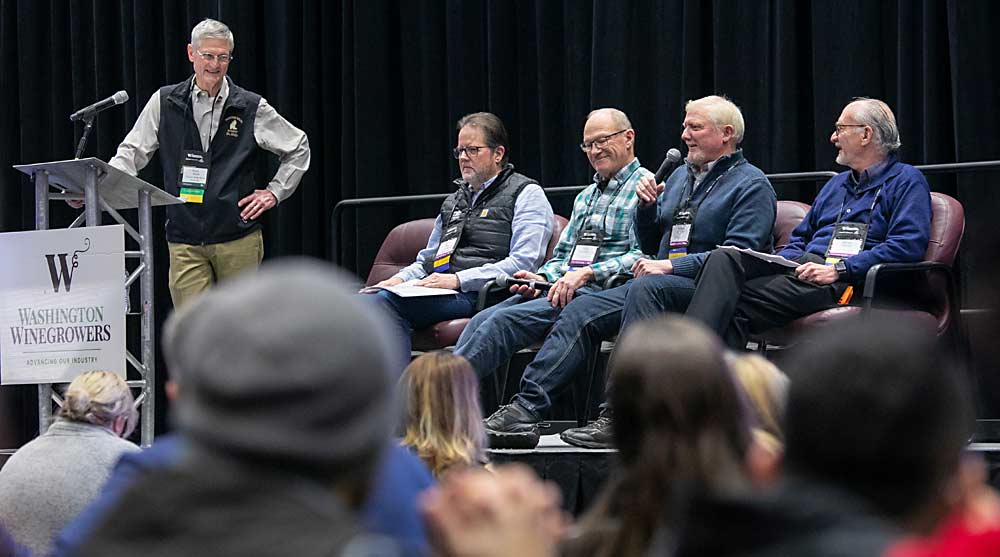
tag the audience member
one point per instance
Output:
(283, 433)
(53, 477)
(500, 514)
(876, 422)
(444, 424)
(679, 427)
(766, 389)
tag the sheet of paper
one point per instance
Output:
(409, 289)
(765, 256)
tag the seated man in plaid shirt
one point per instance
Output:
(598, 243)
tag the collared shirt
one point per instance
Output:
(271, 132)
(530, 233)
(861, 179)
(699, 177)
(610, 212)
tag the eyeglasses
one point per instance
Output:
(209, 57)
(586, 146)
(841, 128)
(470, 150)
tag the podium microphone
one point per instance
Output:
(670, 162)
(504, 281)
(118, 98)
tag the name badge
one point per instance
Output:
(680, 234)
(193, 176)
(848, 240)
(588, 245)
(449, 241)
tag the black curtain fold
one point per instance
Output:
(379, 84)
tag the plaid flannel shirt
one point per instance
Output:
(610, 212)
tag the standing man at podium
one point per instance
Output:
(209, 131)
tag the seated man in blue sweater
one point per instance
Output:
(879, 211)
(716, 198)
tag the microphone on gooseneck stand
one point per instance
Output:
(504, 281)
(670, 162)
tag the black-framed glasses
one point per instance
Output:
(209, 57)
(586, 146)
(470, 150)
(841, 128)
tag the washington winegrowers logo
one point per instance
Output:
(64, 274)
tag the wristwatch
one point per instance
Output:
(841, 268)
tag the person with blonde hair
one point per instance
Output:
(766, 389)
(443, 416)
(52, 478)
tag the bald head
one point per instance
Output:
(608, 141)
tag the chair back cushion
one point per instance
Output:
(558, 224)
(400, 248)
(947, 228)
(789, 215)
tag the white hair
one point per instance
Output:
(722, 112)
(879, 117)
(100, 398)
(211, 29)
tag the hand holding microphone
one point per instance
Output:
(648, 189)
(524, 283)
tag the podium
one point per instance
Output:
(106, 189)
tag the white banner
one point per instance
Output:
(62, 303)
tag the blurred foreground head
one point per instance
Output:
(877, 408)
(285, 367)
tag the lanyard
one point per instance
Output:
(595, 196)
(840, 213)
(687, 202)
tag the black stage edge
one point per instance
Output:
(581, 473)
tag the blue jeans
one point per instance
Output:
(496, 333)
(409, 314)
(654, 295)
(575, 336)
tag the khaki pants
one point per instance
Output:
(193, 269)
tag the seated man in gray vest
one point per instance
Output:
(209, 131)
(497, 222)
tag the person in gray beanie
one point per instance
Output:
(286, 404)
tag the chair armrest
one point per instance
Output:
(490, 292)
(617, 280)
(922, 267)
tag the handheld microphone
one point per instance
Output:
(118, 98)
(670, 162)
(504, 281)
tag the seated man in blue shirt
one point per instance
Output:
(497, 222)
(879, 211)
(716, 198)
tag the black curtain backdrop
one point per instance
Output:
(379, 84)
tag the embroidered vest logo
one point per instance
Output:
(233, 129)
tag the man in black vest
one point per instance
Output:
(498, 222)
(208, 131)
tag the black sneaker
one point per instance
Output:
(512, 418)
(596, 435)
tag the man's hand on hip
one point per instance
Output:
(256, 203)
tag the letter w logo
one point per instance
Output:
(63, 274)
